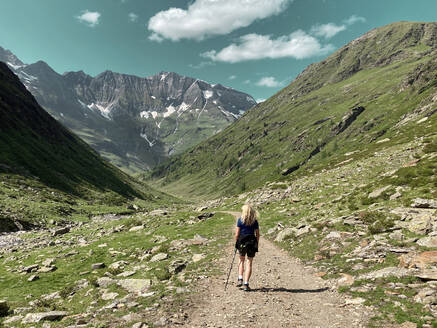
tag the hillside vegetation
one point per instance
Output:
(377, 90)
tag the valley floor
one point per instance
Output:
(284, 294)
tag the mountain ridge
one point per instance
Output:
(294, 129)
(135, 122)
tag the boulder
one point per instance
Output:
(30, 268)
(205, 215)
(284, 234)
(424, 203)
(60, 231)
(159, 257)
(48, 262)
(44, 316)
(109, 296)
(421, 260)
(136, 228)
(198, 257)
(135, 285)
(346, 280)
(46, 269)
(126, 274)
(96, 266)
(427, 274)
(4, 308)
(428, 241)
(421, 224)
(177, 266)
(33, 277)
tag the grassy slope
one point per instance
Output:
(45, 170)
(389, 71)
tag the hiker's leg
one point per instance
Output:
(248, 269)
(241, 266)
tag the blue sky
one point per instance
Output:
(256, 46)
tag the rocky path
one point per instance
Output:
(284, 294)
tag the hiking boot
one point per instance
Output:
(246, 288)
(240, 283)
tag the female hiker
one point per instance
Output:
(246, 241)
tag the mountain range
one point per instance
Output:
(132, 121)
(378, 88)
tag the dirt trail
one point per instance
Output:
(284, 294)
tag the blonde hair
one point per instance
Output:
(248, 215)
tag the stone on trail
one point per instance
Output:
(135, 285)
(346, 280)
(159, 257)
(44, 316)
(4, 308)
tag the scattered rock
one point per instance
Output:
(13, 319)
(201, 208)
(60, 231)
(126, 274)
(33, 277)
(421, 260)
(205, 215)
(421, 224)
(4, 308)
(333, 235)
(159, 257)
(96, 266)
(105, 282)
(30, 268)
(48, 262)
(427, 274)
(177, 266)
(136, 228)
(109, 296)
(424, 203)
(44, 316)
(46, 269)
(378, 192)
(396, 195)
(138, 325)
(119, 265)
(428, 241)
(161, 322)
(135, 285)
(346, 280)
(198, 257)
(387, 272)
(355, 301)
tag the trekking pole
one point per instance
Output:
(230, 269)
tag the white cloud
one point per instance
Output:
(269, 81)
(327, 30)
(298, 45)
(232, 77)
(202, 65)
(133, 17)
(354, 19)
(90, 18)
(155, 37)
(246, 81)
(204, 18)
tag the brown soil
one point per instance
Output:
(284, 294)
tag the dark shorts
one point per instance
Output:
(248, 252)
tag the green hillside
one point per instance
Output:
(378, 90)
(46, 171)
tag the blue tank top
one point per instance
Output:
(245, 229)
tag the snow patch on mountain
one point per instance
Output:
(144, 136)
(208, 94)
(104, 111)
(170, 110)
(15, 67)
